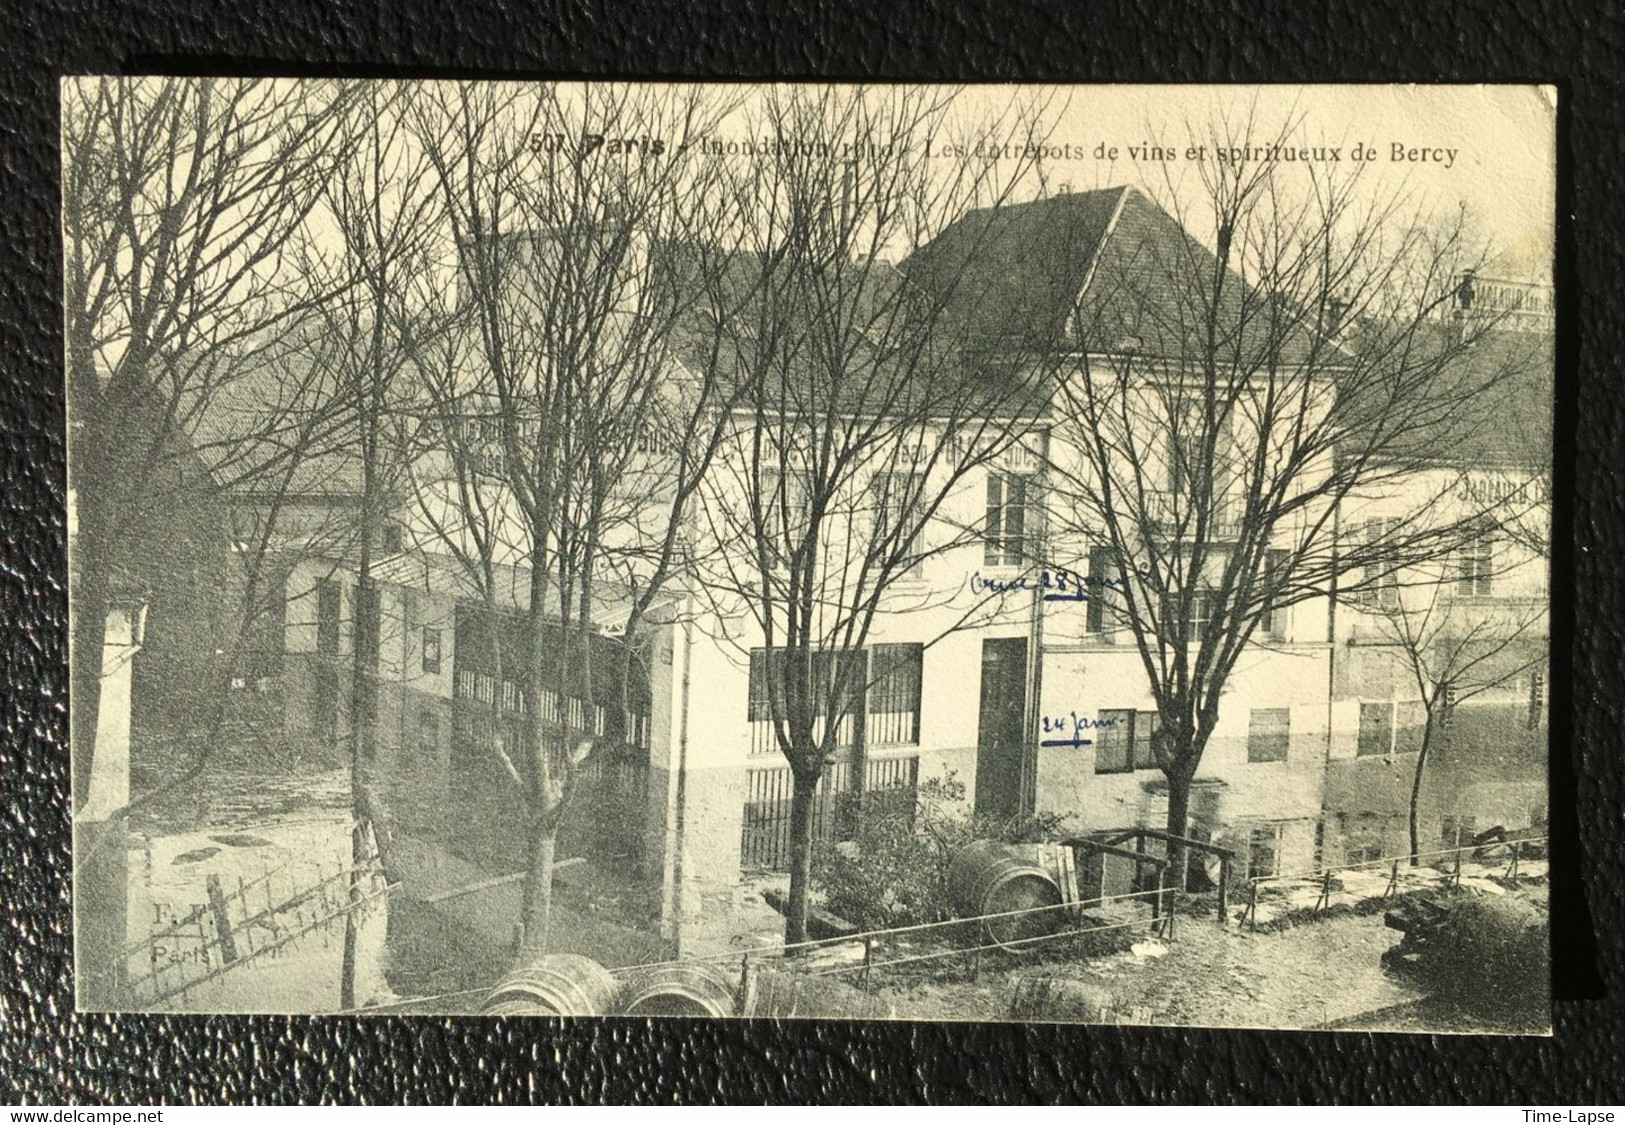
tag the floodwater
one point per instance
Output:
(237, 900)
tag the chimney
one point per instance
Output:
(1337, 308)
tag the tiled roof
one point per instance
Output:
(1496, 404)
(897, 356)
(1014, 273)
(274, 425)
(1090, 270)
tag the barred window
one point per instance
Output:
(894, 694)
(768, 686)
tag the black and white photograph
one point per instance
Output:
(1051, 554)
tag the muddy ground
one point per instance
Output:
(1313, 975)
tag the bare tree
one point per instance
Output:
(181, 201)
(864, 411)
(380, 202)
(1233, 403)
(583, 228)
(1453, 652)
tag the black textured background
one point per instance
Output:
(49, 1054)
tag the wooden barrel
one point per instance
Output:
(1060, 863)
(683, 989)
(773, 995)
(555, 984)
(1060, 1000)
(988, 877)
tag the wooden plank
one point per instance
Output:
(222, 919)
(1112, 849)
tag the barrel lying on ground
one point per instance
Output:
(1060, 1000)
(683, 989)
(988, 877)
(556, 984)
(770, 994)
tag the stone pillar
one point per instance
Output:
(101, 891)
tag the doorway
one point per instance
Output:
(1001, 741)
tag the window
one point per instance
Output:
(1204, 604)
(431, 651)
(1273, 621)
(1102, 579)
(770, 669)
(896, 498)
(816, 670)
(429, 733)
(1007, 511)
(329, 599)
(783, 503)
(1380, 584)
(1410, 721)
(1473, 566)
(1269, 734)
(1376, 729)
(894, 695)
(1114, 742)
(1395, 728)
(1146, 725)
(1264, 851)
(1190, 475)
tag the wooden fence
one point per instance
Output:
(242, 924)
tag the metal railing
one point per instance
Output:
(1450, 874)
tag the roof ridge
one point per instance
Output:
(1100, 245)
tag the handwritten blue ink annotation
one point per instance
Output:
(1060, 585)
(1073, 724)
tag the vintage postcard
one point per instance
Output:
(1051, 554)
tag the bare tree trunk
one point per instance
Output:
(1179, 810)
(1416, 790)
(537, 915)
(801, 838)
(543, 823)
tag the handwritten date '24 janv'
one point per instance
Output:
(1069, 729)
